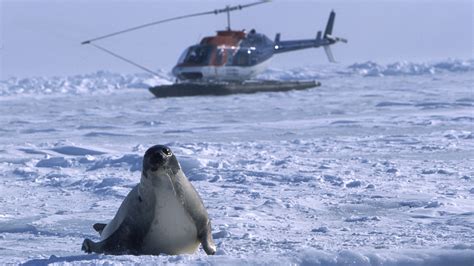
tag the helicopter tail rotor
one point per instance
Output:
(328, 32)
(329, 38)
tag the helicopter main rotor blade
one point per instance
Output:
(146, 25)
(239, 7)
(215, 12)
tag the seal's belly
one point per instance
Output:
(172, 231)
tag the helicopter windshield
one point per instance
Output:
(198, 54)
(183, 56)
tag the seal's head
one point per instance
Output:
(160, 158)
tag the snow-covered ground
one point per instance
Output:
(375, 167)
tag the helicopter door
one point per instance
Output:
(219, 61)
(242, 57)
(220, 56)
(230, 56)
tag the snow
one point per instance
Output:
(375, 167)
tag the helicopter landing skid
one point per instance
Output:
(224, 88)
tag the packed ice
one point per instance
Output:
(375, 167)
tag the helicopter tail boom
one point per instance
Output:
(321, 40)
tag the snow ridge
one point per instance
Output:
(371, 69)
(108, 82)
(403, 68)
(101, 81)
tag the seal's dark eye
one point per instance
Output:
(166, 151)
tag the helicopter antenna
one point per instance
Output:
(227, 9)
(228, 18)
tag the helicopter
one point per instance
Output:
(229, 61)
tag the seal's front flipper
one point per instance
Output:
(125, 240)
(99, 227)
(90, 246)
(209, 246)
(206, 240)
(107, 246)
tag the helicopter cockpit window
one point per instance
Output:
(198, 54)
(183, 56)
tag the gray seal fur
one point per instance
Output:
(162, 214)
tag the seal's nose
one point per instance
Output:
(157, 158)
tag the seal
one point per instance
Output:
(162, 214)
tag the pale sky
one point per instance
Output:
(42, 37)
